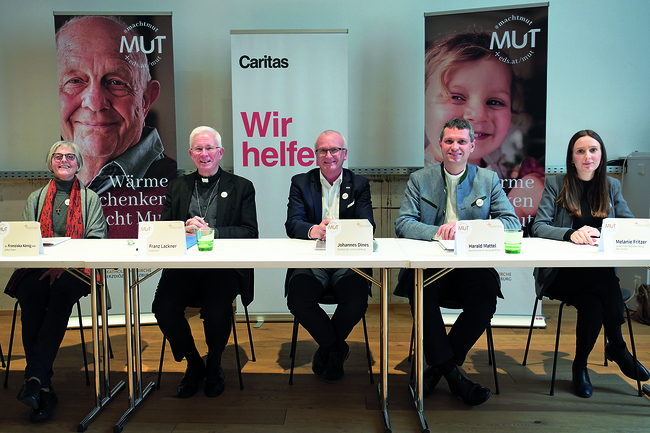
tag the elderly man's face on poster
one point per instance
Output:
(103, 98)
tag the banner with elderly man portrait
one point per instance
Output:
(488, 66)
(116, 102)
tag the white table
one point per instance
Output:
(232, 253)
(535, 252)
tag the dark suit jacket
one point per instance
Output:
(236, 213)
(305, 206)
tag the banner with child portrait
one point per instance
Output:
(489, 67)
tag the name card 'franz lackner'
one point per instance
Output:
(479, 238)
(161, 238)
(625, 236)
(351, 237)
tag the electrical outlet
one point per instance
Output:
(637, 281)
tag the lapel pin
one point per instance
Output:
(345, 196)
(224, 194)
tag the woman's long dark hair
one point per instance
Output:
(571, 194)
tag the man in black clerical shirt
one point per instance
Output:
(207, 198)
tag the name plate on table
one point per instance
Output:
(161, 238)
(349, 237)
(479, 238)
(21, 238)
(625, 236)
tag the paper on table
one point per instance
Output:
(50, 242)
(446, 245)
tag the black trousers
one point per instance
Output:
(213, 290)
(475, 291)
(44, 314)
(596, 294)
(306, 287)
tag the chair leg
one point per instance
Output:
(162, 358)
(2, 358)
(557, 345)
(83, 343)
(530, 331)
(365, 334)
(11, 344)
(493, 359)
(234, 334)
(294, 343)
(250, 334)
(412, 340)
(629, 324)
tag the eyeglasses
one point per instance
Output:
(59, 156)
(198, 150)
(333, 151)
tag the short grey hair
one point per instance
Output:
(329, 132)
(457, 124)
(55, 147)
(206, 130)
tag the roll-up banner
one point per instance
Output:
(287, 88)
(116, 101)
(489, 66)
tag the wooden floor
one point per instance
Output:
(269, 404)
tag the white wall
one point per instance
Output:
(598, 62)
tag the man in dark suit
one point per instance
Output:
(316, 197)
(207, 198)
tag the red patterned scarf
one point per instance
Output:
(74, 225)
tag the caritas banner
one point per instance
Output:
(283, 96)
(489, 67)
(116, 101)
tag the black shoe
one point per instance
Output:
(48, 401)
(334, 369)
(431, 377)
(581, 382)
(215, 383)
(470, 392)
(625, 362)
(317, 363)
(30, 393)
(189, 385)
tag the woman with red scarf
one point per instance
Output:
(64, 207)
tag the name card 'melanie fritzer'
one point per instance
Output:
(625, 236)
(21, 238)
(479, 238)
(349, 237)
(161, 238)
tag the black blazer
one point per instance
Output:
(236, 213)
(305, 206)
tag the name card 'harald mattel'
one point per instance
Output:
(479, 238)
(161, 238)
(349, 237)
(21, 238)
(625, 236)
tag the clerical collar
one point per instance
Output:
(64, 185)
(209, 181)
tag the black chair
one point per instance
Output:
(328, 298)
(490, 346)
(234, 333)
(11, 343)
(625, 294)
